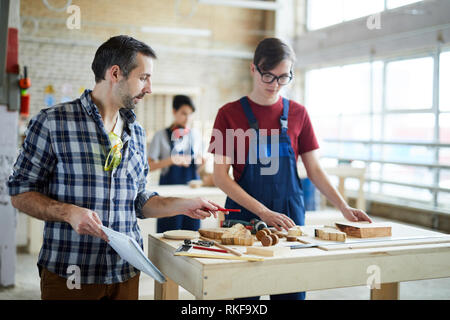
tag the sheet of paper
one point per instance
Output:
(129, 250)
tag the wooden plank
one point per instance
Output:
(390, 243)
(365, 229)
(330, 234)
(180, 234)
(268, 251)
(216, 256)
(387, 291)
(395, 265)
(166, 291)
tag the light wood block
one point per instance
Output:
(166, 291)
(268, 251)
(330, 234)
(180, 234)
(236, 235)
(387, 291)
(365, 229)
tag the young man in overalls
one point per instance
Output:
(266, 185)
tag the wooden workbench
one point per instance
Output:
(305, 269)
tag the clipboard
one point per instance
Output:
(129, 250)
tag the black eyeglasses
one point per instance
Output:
(267, 77)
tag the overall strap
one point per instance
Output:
(249, 113)
(169, 136)
(284, 116)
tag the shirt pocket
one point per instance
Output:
(135, 165)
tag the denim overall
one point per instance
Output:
(178, 175)
(281, 192)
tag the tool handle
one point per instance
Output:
(210, 249)
(229, 210)
(237, 253)
(215, 256)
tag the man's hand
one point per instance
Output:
(86, 222)
(277, 220)
(354, 215)
(200, 208)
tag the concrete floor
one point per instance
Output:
(27, 287)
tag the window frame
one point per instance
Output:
(435, 166)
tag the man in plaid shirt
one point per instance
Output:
(61, 176)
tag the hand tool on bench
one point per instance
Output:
(210, 249)
(213, 256)
(302, 246)
(203, 243)
(229, 210)
(184, 249)
(235, 252)
(254, 225)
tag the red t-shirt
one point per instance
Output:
(232, 116)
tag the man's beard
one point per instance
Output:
(128, 100)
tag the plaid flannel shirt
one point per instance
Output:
(62, 157)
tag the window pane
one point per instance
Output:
(377, 152)
(324, 13)
(407, 174)
(412, 154)
(354, 151)
(444, 179)
(444, 128)
(355, 81)
(377, 85)
(356, 8)
(409, 127)
(422, 195)
(444, 200)
(444, 156)
(409, 84)
(376, 128)
(444, 81)
(323, 91)
(373, 171)
(355, 127)
(346, 150)
(398, 3)
(330, 149)
(375, 187)
(325, 127)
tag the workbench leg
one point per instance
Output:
(387, 291)
(166, 291)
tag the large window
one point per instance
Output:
(324, 13)
(384, 116)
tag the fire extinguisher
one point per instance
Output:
(24, 84)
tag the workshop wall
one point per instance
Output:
(59, 58)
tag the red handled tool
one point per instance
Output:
(210, 249)
(229, 210)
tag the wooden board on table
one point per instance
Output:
(365, 229)
(180, 234)
(271, 251)
(327, 233)
(391, 243)
(402, 235)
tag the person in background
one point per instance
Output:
(176, 151)
(273, 197)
